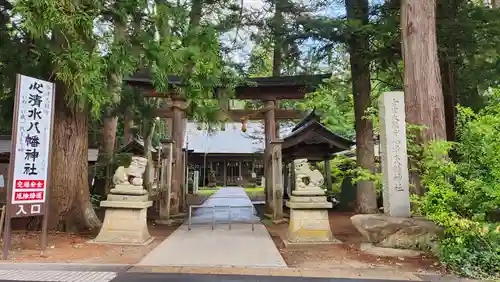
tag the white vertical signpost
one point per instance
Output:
(29, 167)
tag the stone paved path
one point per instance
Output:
(202, 246)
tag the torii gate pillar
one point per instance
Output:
(178, 128)
(272, 164)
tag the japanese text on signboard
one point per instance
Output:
(32, 144)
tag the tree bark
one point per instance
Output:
(424, 101)
(366, 195)
(278, 50)
(70, 206)
(448, 73)
(447, 12)
(278, 37)
(423, 92)
(110, 120)
(128, 124)
(195, 14)
(106, 150)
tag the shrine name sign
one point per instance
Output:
(32, 134)
(29, 166)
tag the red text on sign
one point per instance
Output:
(29, 196)
(30, 184)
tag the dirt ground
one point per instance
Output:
(64, 247)
(347, 254)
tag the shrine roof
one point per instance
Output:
(135, 146)
(311, 139)
(284, 87)
(310, 117)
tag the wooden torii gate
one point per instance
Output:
(269, 90)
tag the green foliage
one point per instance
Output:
(334, 103)
(462, 193)
(72, 50)
(342, 166)
(193, 52)
(261, 62)
(468, 37)
(415, 148)
(95, 200)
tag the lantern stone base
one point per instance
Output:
(309, 222)
(125, 221)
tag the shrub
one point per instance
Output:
(461, 193)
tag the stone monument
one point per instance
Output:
(126, 207)
(396, 228)
(309, 222)
(394, 157)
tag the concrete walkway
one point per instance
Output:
(203, 247)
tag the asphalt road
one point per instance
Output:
(170, 277)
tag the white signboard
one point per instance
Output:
(32, 141)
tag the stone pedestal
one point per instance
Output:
(309, 222)
(125, 218)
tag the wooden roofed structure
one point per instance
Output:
(311, 140)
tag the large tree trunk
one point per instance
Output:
(70, 206)
(110, 121)
(446, 13)
(128, 124)
(359, 47)
(108, 134)
(278, 22)
(448, 73)
(278, 37)
(106, 152)
(423, 92)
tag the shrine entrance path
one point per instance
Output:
(203, 247)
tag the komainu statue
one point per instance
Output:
(305, 178)
(131, 175)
